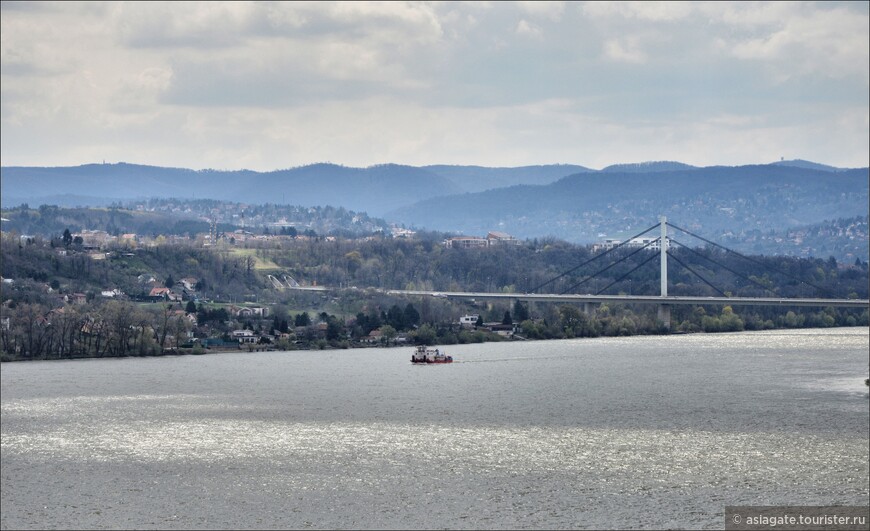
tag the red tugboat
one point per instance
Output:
(430, 355)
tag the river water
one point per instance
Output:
(640, 432)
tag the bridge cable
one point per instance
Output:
(623, 259)
(762, 264)
(625, 275)
(696, 274)
(723, 266)
(596, 257)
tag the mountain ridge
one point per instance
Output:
(565, 201)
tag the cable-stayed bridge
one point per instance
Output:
(662, 244)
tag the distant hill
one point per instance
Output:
(112, 182)
(799, 163)
(569, 202)
(713, 201)
(648, 167)
(479, 178)
(375, 190)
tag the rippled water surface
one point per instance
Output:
(644, 432)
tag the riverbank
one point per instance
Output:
(345, 345)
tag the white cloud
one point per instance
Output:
(185, 24)
(626, 49)
(543, 9)
(829, 42)
(647, 11)
(266, 85)
(528, 29)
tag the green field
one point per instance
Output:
(259, 263)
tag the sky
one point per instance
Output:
(265, 86)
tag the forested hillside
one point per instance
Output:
(567, 202)
(179, 217)
(846, 239)
(716, 202)
(61, 300)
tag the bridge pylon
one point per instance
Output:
(664, 312)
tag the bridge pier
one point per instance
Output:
(664, 315)
(589, 308)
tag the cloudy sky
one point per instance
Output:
(277, 85)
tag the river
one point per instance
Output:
(639, 432)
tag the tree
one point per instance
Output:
(479, 321)
(411, 316)
(388, 333)
(120, 327)
(67, 238)
(396, 317)
(169, 282)
(302, 319)
(506, 320)
(191, 307)
(334, 329)
(426, 335)
(164, 325)
(521, 313)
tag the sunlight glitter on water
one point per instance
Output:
(662, 458)
(616, 433)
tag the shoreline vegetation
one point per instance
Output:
(125, 332)
(199, 350)
(62, 298)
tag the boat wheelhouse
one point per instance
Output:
(423, 354)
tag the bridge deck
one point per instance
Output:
(646, 299)
(630, 299)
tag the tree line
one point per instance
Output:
(52, 306)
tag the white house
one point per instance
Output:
(465, 242)
(244, 336)
(469, 320)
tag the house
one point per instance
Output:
(259, 311)
(286, 336)
(504, 330)
(94, 239)
(161, 293)
(374, 336)
(398, 232)
(501, 238)
(76, 298)
(249, 311)
(244, 336)
(465, 242)
(189, 317)
(469, 320)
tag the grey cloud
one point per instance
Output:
(223, 85)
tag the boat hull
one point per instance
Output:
(427, 356)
